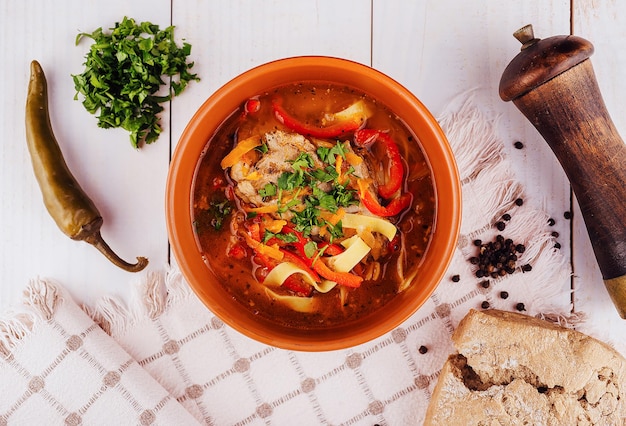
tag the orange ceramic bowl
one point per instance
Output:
(292, 70)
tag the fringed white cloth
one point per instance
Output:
(221, 377)
(57, 367)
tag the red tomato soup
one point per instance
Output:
(315, 206)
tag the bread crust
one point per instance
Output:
(513, 369)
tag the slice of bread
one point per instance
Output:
(513, 369)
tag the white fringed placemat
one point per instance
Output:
(58, 367)
(166, 359)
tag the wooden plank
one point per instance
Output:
(127, 185)
(604, 24)
(229, 38)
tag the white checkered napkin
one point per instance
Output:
(58, 367)
(223, 378)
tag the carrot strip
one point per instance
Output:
(342, 278)
(238, 151)
(269, 251)
(270, 208)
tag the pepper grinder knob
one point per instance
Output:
(526, 36)
(551, 81)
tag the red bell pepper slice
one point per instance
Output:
(287, 229)
(299, 245)
(298, 286)
(342, 278)
(394, 244)
(292, 283)
(366, 137)
(331, 249)
(305, 129)
(300, 263)
(394, 207)
(252, 105)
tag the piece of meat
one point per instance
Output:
(283, 148)
(250, 177)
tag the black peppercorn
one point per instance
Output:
(484, 284)
(478, 243)
(456, 278)
(527, 268)
(520, 307)
(506, 217)
(500, 225)
(551, 222)
(485, 305)
(519, 202)
(504, 294)
(555, 234)
(496, 258)
(557, 245)
(518, 145)
(423, 349)
(567, 215)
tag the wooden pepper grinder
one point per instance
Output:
(552, 82)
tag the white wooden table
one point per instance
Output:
(436, 48)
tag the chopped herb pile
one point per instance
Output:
(124, 72)
(304, 176)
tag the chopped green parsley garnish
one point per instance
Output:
(327, 155)
(268, 190)
(262, 148)
(310, 249)
(306, 176)
(288, 238)
(218, 211)
(124, 70)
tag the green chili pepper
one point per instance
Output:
(70, 207)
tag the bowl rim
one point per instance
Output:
(227, 98)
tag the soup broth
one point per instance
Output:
(315, 205)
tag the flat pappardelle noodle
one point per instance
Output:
(317, 195)
(356, 250)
